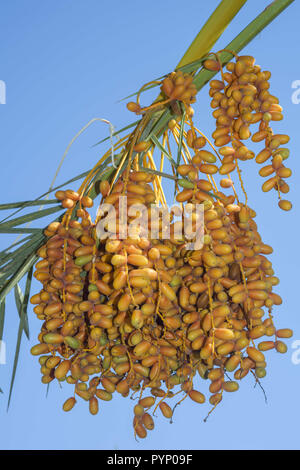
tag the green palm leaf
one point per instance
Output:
(22, 302)
(23, 269)
(2, 316)
(14, 205)
(29, 217)
(19, 298)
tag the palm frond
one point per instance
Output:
(212, 30)
(29, 217)
(2, 316)
(14, 205)
(22, 303)
(23, 269)
(19, 298)
(164, 150)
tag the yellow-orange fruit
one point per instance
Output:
(141, 348)
(52, 308)
(275, 298)
(266, 171)
(226, 183)
(284, 172)
(284, 333)
(108, 385)
(208, 169)
(93, 405)
(122, 387)
(285, 204)
(147, 402)
(260, 372)
(172, 323)
(239, 297)
(241, 343)
(240, 374)
(281, 347)
(184, 195)
(255, 355)
(221, 311)
(53, 324)
(53, 338)
(225, 348)
(232, 363)
(62, 370)
(224, 334)
(211, 64)
(52, 362)
(60, 195)
(166, 409)
(177, 92)
(230, 386)
(215, 374)
(154, 254)
(147, 421)
(244, 132)
(257, 332)
(138, 410)
(172, 124)
(258, 294)
(133, 107)
(35, 299)
(141, 146)
(68, 203)
(215, 399)
(266, 345)
(137, 260)
(168, 351)
(46, 379)
(39, 349)
(103, 395)
(260, 285)
(86, 201)
(122, 368)
(69, 193)
(124, 302)
(69, 404)
(216, 385)
(104, 188)
(140, 430)
(196, 396)
(263, 156)
(137, 319)
(168, 291)
(259, 136)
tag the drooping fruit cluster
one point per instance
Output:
(136, 302)
(176, 87)
(179, 86)
(240, 100)
(131, 314)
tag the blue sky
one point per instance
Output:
(66, 62)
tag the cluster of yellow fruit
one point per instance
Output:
(69, 198)
(124, 311)
(179, 86)
(241, 99)
(175, 87)
(137, 314)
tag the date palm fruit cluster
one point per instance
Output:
(240, 100)
(152, 316)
